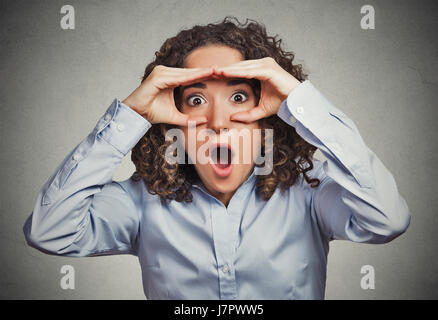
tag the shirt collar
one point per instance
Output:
(200, 185)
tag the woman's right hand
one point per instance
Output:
(154, 100)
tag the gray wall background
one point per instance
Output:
(55, 84)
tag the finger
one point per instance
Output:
(245, 63)
(182, 119)
(252, 115)
(218, 77)
(189, 75)
(241, 67)
(197, 73)
(176, 79)
(188, 71)
(188, 81)
(201, 78)
(244, 72)
(198, 120)
(183, 70)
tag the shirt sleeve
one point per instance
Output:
(80, 211)
(357, 199)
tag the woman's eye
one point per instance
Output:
(195, 100)
(239, 97)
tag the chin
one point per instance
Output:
(224, 185)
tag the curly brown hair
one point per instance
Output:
(292, 155)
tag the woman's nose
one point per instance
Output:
(219, 118)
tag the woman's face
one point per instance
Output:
(218, 99)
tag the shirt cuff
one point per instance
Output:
(122, 127)
(303, 104)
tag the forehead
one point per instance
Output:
(212, 55)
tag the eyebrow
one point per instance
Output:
(232, 82)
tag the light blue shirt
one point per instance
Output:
(252, 249)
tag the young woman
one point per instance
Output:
(219, 230)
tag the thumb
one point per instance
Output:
(182, 119)
(249, 116)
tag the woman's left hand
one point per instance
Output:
(276, 85)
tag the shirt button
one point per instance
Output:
(107, 117)
(225, 268)
(292, 119)
(300, 109)
(121, 126)
(76, 156)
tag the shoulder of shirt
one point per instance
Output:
(136, 188)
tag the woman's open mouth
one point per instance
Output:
(221, 159)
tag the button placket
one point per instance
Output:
(223, 250)
(225, 268)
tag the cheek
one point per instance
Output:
(185, 141)
(191, 144)
(184, 109)
(249, 148)
(256, 143)
(193, 110)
